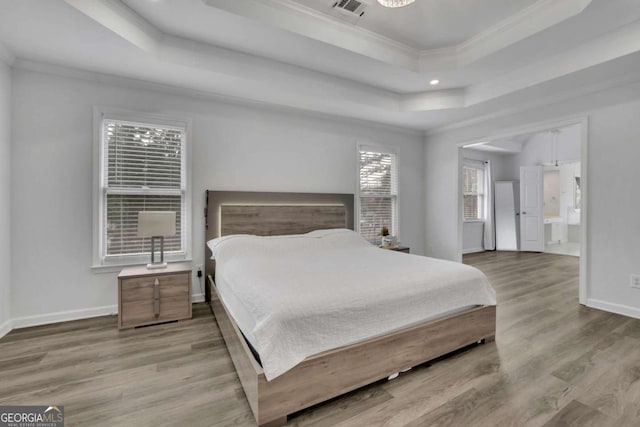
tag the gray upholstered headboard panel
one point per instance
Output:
(265, 214)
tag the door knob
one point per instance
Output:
(524, 213)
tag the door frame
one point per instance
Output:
(583, 121)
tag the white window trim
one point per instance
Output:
(113, 264)
(475, 164)
(378, 148)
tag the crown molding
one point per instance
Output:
(495, 115)
(119, 18)
(611, 46)
(132, 83)
(534, 19)
(539, 104)
(529, 21)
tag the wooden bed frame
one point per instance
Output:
(331, 373)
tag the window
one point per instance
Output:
(473, 192)
(378, 192)
(142, 168)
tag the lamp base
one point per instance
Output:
(156, 265)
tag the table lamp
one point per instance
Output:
(156, 225)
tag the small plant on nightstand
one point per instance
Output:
(387, 241)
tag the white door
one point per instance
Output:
(531, 209)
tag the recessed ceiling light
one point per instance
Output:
(434, 82)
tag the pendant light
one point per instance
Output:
(395, 3)
(555, 133)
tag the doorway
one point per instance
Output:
(525, 191)
(562, 206)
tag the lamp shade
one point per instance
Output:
(151, 224)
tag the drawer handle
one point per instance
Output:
(156, 298)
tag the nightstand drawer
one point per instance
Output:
(154, 298)
(142, 288)
(144, 312)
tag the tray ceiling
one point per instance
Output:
(515, 55)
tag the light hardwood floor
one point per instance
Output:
(554, 363)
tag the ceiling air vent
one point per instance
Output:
(351, 7)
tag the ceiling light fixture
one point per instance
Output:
(395, 3)
(434, 82)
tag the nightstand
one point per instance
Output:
(146, 297)
(399, 248)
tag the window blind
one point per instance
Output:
(378, 193)
(143, 170)
(473, 192)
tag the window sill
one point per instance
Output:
(116, 268)
(473, 220)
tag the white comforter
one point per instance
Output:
(327, 289)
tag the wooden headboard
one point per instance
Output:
(267, 214)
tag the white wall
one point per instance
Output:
(5, 196)
(614, 229)
(472, 237)
(441, 198)
(538, 149)
(612, 174)
(233, 148)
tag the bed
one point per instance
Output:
(302, 332)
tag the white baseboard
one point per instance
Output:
(63, 316)
(6, 327)
(472, 250)
(624, 310)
